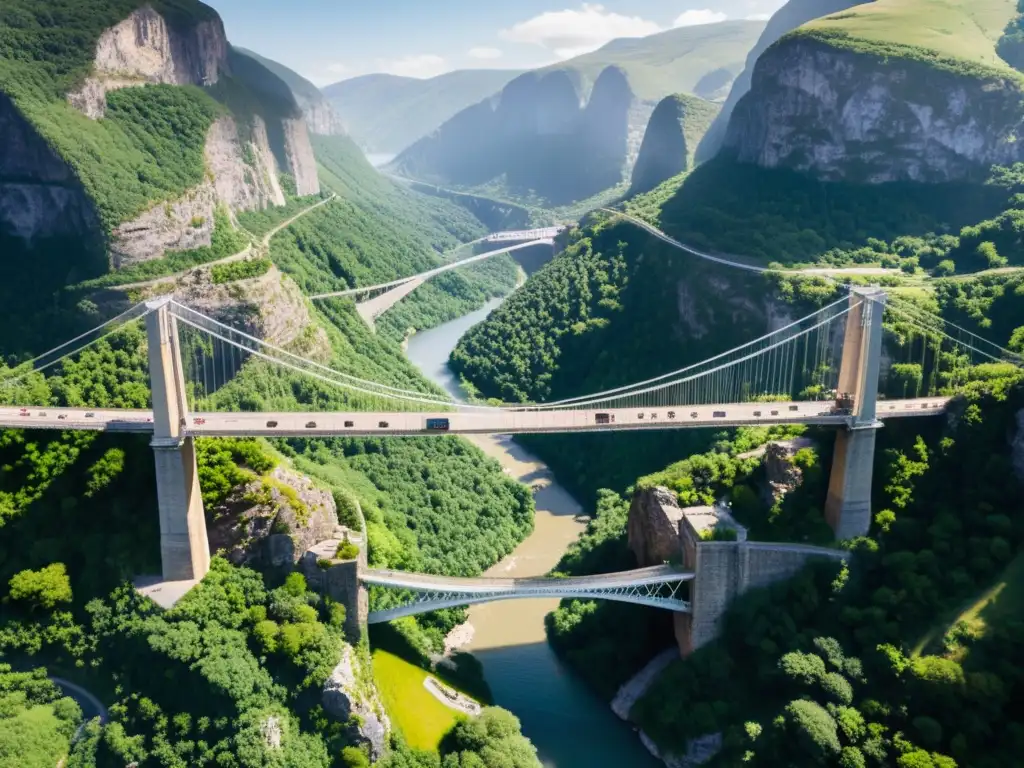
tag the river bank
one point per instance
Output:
(569, 726)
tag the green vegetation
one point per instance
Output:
(36, 724)
(956, 35)
(673, 134)
(422, 719)
(669, 62)
(224, 241)
(817, 670)
(239, 270)
(787, 217)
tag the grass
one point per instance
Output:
(413, 709)
(1002, 601)
(32, 739)
(949, 34)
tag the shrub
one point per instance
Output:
(43, 588)
(944, 268)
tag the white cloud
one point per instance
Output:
(759, 17)
(570, 32)
(699, 16)
(422, 66)
(485, 53)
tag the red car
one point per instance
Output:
(199, 422)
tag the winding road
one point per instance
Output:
(738, 263)
(244, 253)
(91, 706)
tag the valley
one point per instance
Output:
(308, 390)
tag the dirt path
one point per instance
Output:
(244, 253)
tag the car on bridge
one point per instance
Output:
(271, 424)
(198, 422)
(604, 418)
(310, 425)
(438, 425)
(718, 415)
(383, 424)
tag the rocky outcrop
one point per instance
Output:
(300, 157)
(357, 705)
(840, 115)
(698, 751)
(636, 687)
(181, 225)
(272, 520)
(673, 133)
(541, 134)
(39, 193)
(653, 527)
(322, 120)
(145, 48)
(242, 185)
(1017, 447)
(781, 474)
(790, 16)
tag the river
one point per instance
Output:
(570, 727)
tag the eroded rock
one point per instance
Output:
(359, 706)
(653, 527)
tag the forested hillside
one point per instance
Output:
(250, 649)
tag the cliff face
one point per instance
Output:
(541, 136)
(842, 116)
(243, 158)
(39, 194)
(790, 16)
(673, 133)
(144, 48)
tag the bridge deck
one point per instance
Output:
(461, 422)
(658, 574)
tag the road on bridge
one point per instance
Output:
(483, 421)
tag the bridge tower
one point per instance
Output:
(184, 548)
(848, 507)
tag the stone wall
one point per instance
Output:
(727, 569)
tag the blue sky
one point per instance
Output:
(331, 40)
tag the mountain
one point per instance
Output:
(673, 134)
(786, 19)
(570, 131)
(944, 106)
(387, 113)
(320, 116)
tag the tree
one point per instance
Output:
(804, 668)
(944, 268)
(814, 728)
(1017, 340)
(43, 588)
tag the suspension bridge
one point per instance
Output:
(826, 369)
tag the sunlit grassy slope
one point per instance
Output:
(955, 33)
(422, 718)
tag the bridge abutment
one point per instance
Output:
(184, 547)
(848, 506)
(724, 570)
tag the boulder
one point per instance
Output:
(783, 476)
(653, 527)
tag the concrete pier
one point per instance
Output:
(184, 548)
(848, 506)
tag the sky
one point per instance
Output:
(331, 40)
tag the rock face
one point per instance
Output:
(144, 48)
(840, 115)
(302, 163)
(181, 225)
(540, 134)
(38, 191)
(1017, 446)
(790, 16)
(653, 527)
(270, 307)
(783, 476)
(675, 130)
(241, 185)
(342, 698)
(241, 529)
